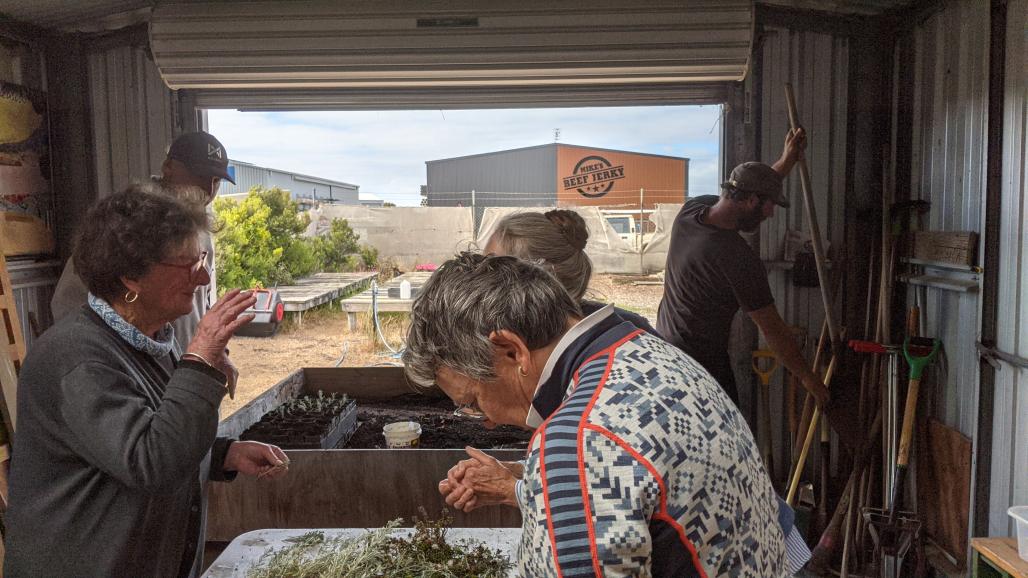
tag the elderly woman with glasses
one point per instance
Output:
(117, 427)
(640, 464)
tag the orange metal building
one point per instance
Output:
(611, 178)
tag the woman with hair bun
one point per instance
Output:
(558, 239)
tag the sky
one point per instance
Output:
(384, 152)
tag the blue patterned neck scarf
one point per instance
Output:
(158, 347)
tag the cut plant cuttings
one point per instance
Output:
(424, 554)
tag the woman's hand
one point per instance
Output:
(256, 459)
(480, 481)
(219, 324)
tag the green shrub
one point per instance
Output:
(259, 242)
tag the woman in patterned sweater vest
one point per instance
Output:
(640, 464)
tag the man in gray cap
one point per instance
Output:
(711, 272)
(195, 165)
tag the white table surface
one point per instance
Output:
(243, 552)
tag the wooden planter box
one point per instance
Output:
(341, 488)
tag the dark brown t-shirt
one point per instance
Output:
(710, 273)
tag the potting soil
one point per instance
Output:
(440, 429)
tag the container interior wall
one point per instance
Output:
(1009, 483)
(133, 116)
(949, 130)
(817, 66)
(22, 64)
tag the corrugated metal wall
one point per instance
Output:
(526, 170)
(133, 116)
(300, 186)
(817, 65)
(458, 43)
(1010, 424)
(949, 130)
(247, 177)
(32, 283)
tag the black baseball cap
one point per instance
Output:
(759, 179)
(202, 154)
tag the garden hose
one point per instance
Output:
(378, 325)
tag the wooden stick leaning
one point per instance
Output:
(863, 462)
(819, 261)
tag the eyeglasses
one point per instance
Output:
(469, 411)
(194, 268)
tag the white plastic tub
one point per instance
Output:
(402, 434)
(1020, 515)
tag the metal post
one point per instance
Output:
(474, 215)
(639, 233)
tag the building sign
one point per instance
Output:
(593, 177)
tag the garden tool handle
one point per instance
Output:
(765, 376)
(903, 456)
(909, 413)
(917, 364)
(861, 346)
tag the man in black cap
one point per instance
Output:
(195, 165)
(199, 160)
(711, 272)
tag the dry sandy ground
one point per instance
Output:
(323, 338)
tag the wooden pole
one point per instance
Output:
(815, 229)
(819, 261)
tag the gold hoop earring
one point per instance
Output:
(522, 371)
(131, 296)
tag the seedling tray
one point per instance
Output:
(293, 427)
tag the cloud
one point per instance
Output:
(385, 151)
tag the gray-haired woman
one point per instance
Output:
(640, 464)
(557, 238)
(116, 428)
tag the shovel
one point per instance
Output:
(917, 365)
(892, 531)
(764, 418)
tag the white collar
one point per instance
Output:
(534, 420)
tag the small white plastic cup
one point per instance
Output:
(402, 434)
(1020, 515)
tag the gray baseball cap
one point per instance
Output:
(759, 179)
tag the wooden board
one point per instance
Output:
(347, 488)
(13, 340)
(944, 488)
(12, 343)
(957, 247)
(320, 288)
(362, 302)
(22, 234)
(1003, 553)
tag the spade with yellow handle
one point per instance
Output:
(764, 415)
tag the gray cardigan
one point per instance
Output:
(109, 456)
